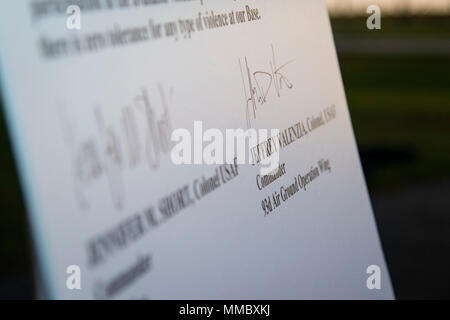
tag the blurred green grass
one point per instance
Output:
(403, 102)
(400, 101)
(394, 27)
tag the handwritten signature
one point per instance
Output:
(258, 84)
(111, 149)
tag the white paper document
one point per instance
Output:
(125, 119)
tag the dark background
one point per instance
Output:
(397, 82)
